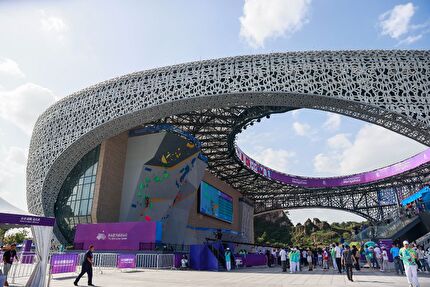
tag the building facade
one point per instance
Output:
(80, 164)
(150, 174)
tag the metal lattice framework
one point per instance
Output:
(214, 99)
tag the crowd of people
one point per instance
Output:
(408, 260)
(412, 209)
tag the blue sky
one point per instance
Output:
(49, 49)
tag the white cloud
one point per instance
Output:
(53, 25)
(9, 67)
(295, 114)
(278, 159)
(410, 39)
(263, 19)
(326, 164)
(302, 129)
(372, 148)
(333, 122)
(396, 22)
(24, 104)
(339, 141)
(12, 166)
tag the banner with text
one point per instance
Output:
(126, 261)
(117, 236)
(315, 182)
(64, 263)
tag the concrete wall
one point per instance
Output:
(107, 193)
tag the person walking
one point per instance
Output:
(87, 267)
(348, 260)
(294, 260)
(338, 254)
(356, 253)
(422, 259)
(396, 258)
(268, 258)
(8, 256)
(325, 260)
(333, 255)
(384, 255)
(320, 258)
(378, 257)
(408, 256)
(310, 259)
(304, 260)
(227, 256)
(283, 256)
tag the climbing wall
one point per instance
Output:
(175, 223)
(163, 170)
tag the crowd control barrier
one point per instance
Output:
(21, 268)
(103, 261)
(155, 261)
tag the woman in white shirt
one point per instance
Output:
(384, 259)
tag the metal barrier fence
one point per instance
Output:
(147, 260)
(21, 268)
(157, 261)
(102, 261)
(151, 261)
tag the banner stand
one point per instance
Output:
(62, 263)
(127, 261)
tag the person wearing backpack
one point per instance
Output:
(348, 260)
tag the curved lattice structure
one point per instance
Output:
(213, 99)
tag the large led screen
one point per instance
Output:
(215, 203)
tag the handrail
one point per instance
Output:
(385, 230)
(424, 240)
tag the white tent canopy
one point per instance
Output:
(6, 207)
(41, 227)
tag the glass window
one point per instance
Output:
(74, 202)
(86, 191)
(88, 179)
(84, 207)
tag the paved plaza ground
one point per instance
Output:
(252, 277)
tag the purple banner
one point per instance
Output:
(64, 263)
(387, 243)
(250, 260)
(26, 219)
(27, 245)
(126, 261)
(117, 236)
(27, 257)
(315, 182)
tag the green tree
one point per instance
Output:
(2, 233)
(17, 237)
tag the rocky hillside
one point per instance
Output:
(276, 229)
